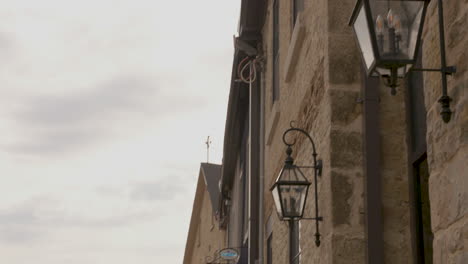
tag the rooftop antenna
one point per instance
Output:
(208, 143)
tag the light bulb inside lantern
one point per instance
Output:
(379, 24)
(390, 19)
(397, 24)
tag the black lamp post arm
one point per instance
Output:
(444, 100)
(294, 142)
(317, 168)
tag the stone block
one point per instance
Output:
(450, 245)
(457, 23)
(348, 249)
(345, 149)
(339, 14)
(344, 61)
(461, 258)
(342, 190)
(461, 112)
(344, 106)
(449, 187)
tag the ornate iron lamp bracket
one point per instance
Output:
(444, 70)
(317, 166)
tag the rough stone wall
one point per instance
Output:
(300, 99)
(448, 143)
(321, 96)
(346, 156)
(209, 237)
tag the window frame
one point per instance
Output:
(269, 249)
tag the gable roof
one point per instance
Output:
(212, 174)
(208, 180)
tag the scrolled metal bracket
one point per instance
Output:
(317, 166)
(444, 70)
(392, 79)
(444, 100)
(449, 70)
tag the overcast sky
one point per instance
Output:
(104, 109)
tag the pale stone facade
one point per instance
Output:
(321, 89)
(204, 236)
(376, 148)
(321, 97)
(448, 143)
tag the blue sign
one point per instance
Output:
(229, 254)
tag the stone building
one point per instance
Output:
(394, 186)
(204, 235)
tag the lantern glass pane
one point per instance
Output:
(293, 199)
(290, 191)
(302, 193)
(361, 27)
(286, 200)
(396, 25)
(276, 199)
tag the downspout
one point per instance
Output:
(372, 171)
(254, 175)
(261, 165)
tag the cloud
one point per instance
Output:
(34, 219)
(20, 224)
(57, 124)
(7, 45)
(55, 142)
(61, 124)
(164, 189)
(21, 235)
(103, 102)
(110, 191)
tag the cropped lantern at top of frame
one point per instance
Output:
(389, 36)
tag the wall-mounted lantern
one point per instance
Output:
(291, 187)
(290, 190)
(389, 35)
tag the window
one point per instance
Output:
(269, 257)
(275, 43)
(297, 7)
(244, 255)
(269, 243)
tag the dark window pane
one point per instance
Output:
(275, 50)
(298, 6)
(269, 250)
(244, 259)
